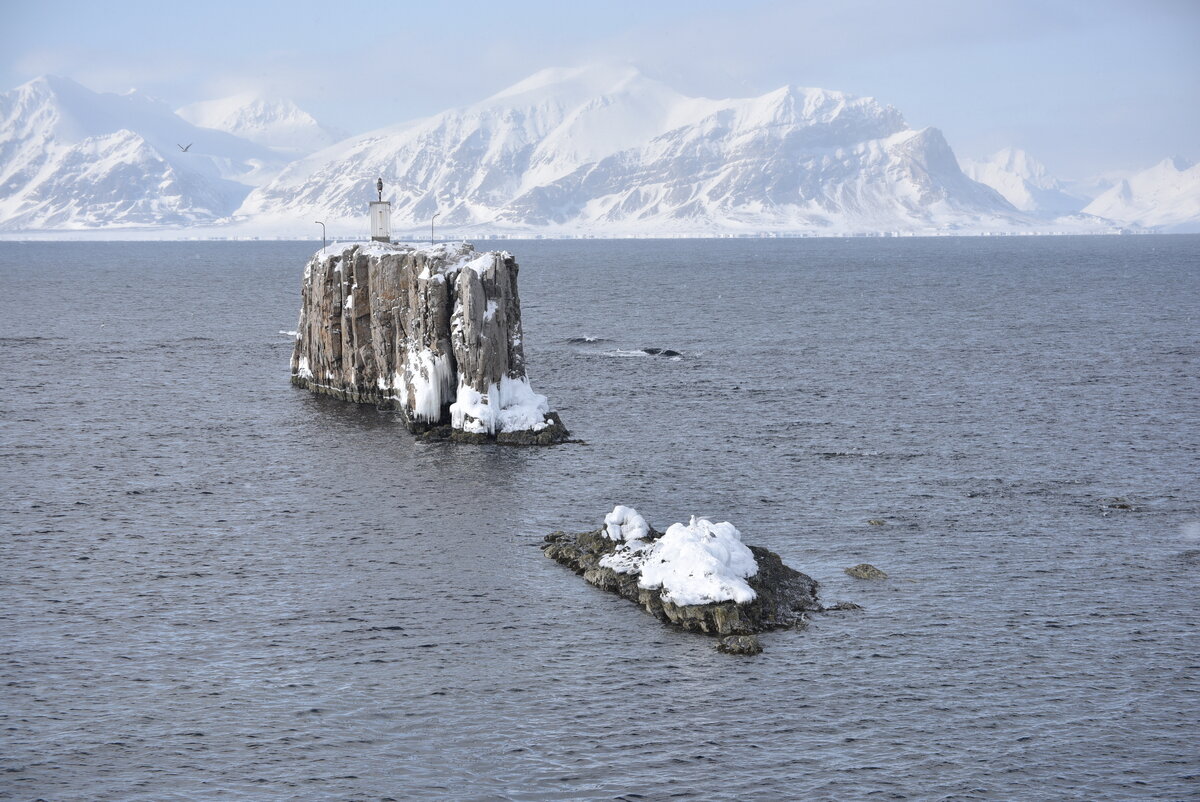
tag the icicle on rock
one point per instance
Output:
(433, 331)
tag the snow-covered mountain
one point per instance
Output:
(1024, 182)
(609, 150)
(596, 150)
(71, 157)
(1166, 195)
(277, 124)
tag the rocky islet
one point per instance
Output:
(780, 597)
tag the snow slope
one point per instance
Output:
(1165, 196)
(277, 124)
(1023, 181)
(72, 158)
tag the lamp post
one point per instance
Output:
(431, 222)
(322, 225)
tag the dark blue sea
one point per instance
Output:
(217, 586)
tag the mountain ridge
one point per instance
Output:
(529, 158)
(592, 151)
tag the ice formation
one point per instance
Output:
(698, 563)
(431, 377)
(509, 406)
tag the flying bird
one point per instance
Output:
(181, 147)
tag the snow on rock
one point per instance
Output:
(697, 563)
(431, 330)
(624, 523)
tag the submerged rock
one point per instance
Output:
(433, 331)
(866, 571)
(716, 591)
(739, 644)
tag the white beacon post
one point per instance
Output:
(381, 216)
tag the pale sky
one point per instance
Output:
(1085, 87)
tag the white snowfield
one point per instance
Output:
(1024, 182)
(594, 151)
(1166, 195)
(73, 158)
(277, 124)
(698, 563)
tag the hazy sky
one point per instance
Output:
(1086, 87)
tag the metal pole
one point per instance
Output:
(322, 225)
(435, 217)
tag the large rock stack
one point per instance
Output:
(433, 331)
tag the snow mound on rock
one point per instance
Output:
(698, 563)
(624, 523)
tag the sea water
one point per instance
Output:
(217, 586)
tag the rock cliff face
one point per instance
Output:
(433, 331)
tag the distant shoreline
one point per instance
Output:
(157, 236)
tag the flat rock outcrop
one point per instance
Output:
(775, 596)
(433, 331)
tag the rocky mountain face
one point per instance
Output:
(434, 332)
(71, 158)
(1024, 182)
(277, 124)
(612, 151)
(1166, 195)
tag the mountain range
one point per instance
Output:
(1165, 196)
(589, 151)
